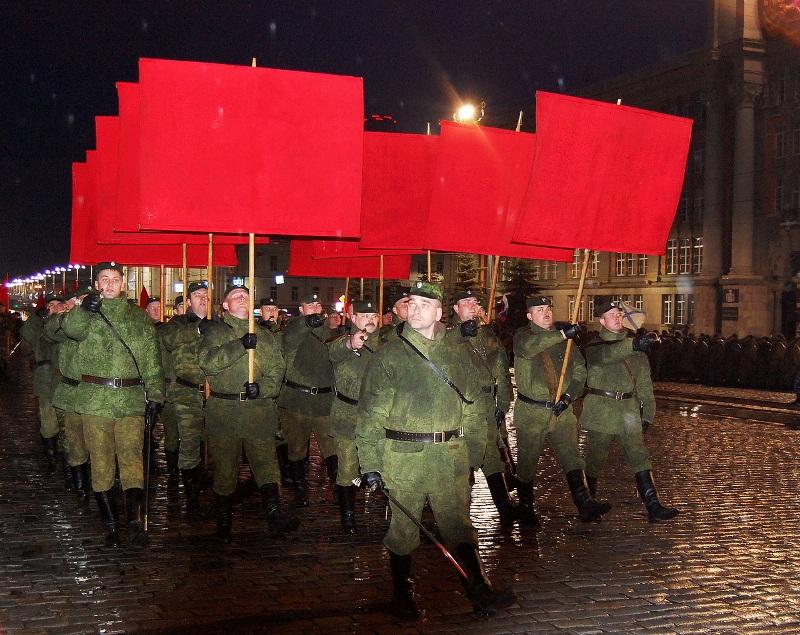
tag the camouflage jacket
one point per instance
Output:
(307, 364)
(401, 392)
(63, 393)
(180, 341)
(349, 367)
(614, 365)
(44, 355)
(101, 353)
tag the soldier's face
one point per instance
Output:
(54, 306)
(154, 311)
(612, 320)
(109, 284)
(179, 309)
(198, 300)
(334, 320)
(466, 309)
(423, 312)
(269, 312)
(308, 308)
(237, 303)
(400, 309)
(541, 316)
(365, 321)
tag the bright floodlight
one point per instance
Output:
(465, 113)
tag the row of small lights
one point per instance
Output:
(37, 277)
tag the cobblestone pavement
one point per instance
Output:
(727, 564)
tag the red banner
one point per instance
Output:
(352, 249)
(605, 177)
(303, 263)
(238, 149)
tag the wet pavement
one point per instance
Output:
(727, 564)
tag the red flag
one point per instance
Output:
(396, 195)
(239, 149)
(4, 293)
(144, 298)
(605, 176)
(352, 249)
(302, 263)
(480, 178)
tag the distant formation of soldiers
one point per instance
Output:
(411, 408)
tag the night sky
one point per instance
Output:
(60, 59)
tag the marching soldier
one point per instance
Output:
(269, 314)
(540, 414)
(350, 353)
(399, 309)
(120, 381)
(619, 405)
(307, 393)
(153, 309)
(492, 364)
(186, 392)
(417, 410)
(241, 415)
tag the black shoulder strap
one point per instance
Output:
(119, 337)
(438, 371)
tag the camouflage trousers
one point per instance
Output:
(492, 461)
(169, 420)
(598, 445)
(111, 442)
(297, 429)
(414, 472)
(535, 427)
(48, 420)
(74, 442)
(191, 425)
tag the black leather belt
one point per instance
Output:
(45, 362)
(535, 402)
(230, 396)
(70, 382)
(311, 390)
(352, 402)
(424, 437)
(611, 394)
(112, 382)
(189, 384)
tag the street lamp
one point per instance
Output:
(469, 113)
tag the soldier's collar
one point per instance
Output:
(610, 336)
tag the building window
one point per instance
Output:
(273, 293)
(631, 264)
(440, 265)
(421, 267)
(576, 263)
(680, 308)
(778, 194)
(697, 260)
(780, 143)
(671, 259)
(699, 207)
(690, 305)
(638, 301)
(683, 208)
(666, 309)
(590, 303)
(686, 255)
(553, 267)
(642, 269)
(594, 264)
(535, 270)
(273, 263)
(620, 264)
(295, 293)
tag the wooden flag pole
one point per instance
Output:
(519, 122)
(429, 266)
(251, 320)
(346, 291)
(380, 293)
(210, 275)
(490, 301)
(161, 291)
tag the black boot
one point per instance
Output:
(300, 485)
(282, 451)
(332, 466)
(485, 599)
(108, 514)
(497, 488)
(647, 491)
(403, 604)
(80, 481)
(588, 508)
(50, 452)
(347, 505)
(172, 462)
(134, 499)
(278, 522)
(224, 514)
(591, 481)
(527, 509)
(191, 486)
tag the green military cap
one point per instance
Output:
(178, 300)
(197, 285)
(267, 302)
(602, 304)
(153, 298)
(395, 298)
(52, 297)
(364, 306)
(233, 287)
(310, 298)
(102, 266)
(537, 300)
(426, 290)
(464, 294)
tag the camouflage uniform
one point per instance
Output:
(43, 354)
(168, 416)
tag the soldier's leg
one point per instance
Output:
(225, 447)
(494, 471)
(191, 421)
(264, 464)
(323, 430)
(77, 456)
(99, 435)
(169, 421)
(348, 471)
(296, 429)
(598, 445)
(129, 441)
(531, 429)
(405, 472)
(62, 447)
(48, 428)
(638, 458)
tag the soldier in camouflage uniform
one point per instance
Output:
(417, 415)
(541, 415)
(186, 393)
(350, 353)
(269, 314)
(242, 415)
(399, 308)
(44, 354)
(121, 380)
(491, 363)
(168, 416)
(307, 393)
(619, 404)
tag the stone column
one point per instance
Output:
(712, 191)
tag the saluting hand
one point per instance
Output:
(92, 303)
(357, 340)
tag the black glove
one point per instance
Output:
(645, 341)
(469, 328)
(92, 302)
(645, 425)
(204, 326)
(251, 390)
(42, 313)
(249, 340)
(569, 331)
(314, 320)
(372, 481)
(562, 404)
(499, 417)
(191, 316)
(151, 409)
